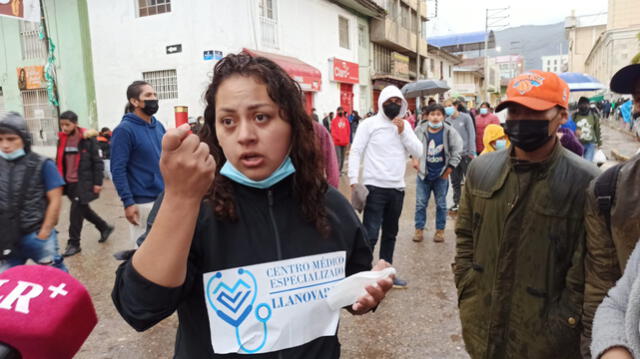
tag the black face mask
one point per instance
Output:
(528, 135)
(150, 107)
(391, 110)
(339, 114)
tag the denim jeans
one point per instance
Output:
(589, 151)
(439, 187)
(41, 251)
(383, 209)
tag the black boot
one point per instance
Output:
(104, 235)
(71, 249)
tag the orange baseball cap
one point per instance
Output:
(537, 90)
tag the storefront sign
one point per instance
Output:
(399, 64)
(31, 77)
(28, 10)
(344, 71)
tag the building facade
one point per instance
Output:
(555, 63)
(440, 65)
(398, 44)
(616, 46)
(316, 41)
(23, 87)
(581, 33)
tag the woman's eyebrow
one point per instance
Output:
(250, 108)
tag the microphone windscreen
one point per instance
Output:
(44, 312)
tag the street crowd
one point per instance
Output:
(545, 265)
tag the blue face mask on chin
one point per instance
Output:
(435, 125)
(500, 145)
(232, 173)
(13, 155)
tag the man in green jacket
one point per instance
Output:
(609, 246)
(520, 246)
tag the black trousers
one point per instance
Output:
(457, 176)
(78, 213)
(383, 209)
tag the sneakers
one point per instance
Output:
(418, 237)
(438, 237)
(104, 235)
(399, 283)
(454, 208)
(71, 249)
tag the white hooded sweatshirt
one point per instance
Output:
(385, 150)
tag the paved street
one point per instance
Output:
(418, 322)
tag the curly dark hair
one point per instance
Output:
(309, 183)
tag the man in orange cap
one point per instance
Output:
(520, 248)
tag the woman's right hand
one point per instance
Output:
(187, 167)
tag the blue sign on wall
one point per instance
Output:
(212, 55)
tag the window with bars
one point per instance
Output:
(165, 82)
(343, 29)
(33, 47)
(268, 23)
(41, 117)
(153, 7)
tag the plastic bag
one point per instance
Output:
(599, 157)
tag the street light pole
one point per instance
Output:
(494, 19)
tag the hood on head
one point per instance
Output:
(389, 92)
(491, 133)
(14, 122)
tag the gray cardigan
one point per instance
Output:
(617, 320)
(467, 131)
(452, 147)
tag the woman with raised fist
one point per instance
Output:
(248, 239)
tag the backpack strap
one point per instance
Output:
(605, 192)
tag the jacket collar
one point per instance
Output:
(507, 158)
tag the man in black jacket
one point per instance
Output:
(80, 164)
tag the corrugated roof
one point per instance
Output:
(457, 39)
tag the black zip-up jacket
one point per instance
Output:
(270, 227)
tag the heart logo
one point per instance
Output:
(232, 303)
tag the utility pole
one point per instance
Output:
(494, 19)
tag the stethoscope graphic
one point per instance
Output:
(242, 292)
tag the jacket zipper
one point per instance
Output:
(273, 223)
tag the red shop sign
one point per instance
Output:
(345, 71)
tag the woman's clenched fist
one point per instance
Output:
(187, 166)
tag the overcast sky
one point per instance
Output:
(457, 16)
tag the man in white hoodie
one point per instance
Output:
(385, 140)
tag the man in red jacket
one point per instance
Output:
(79, 162)
(340, 131)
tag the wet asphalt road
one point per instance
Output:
(418, 322)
